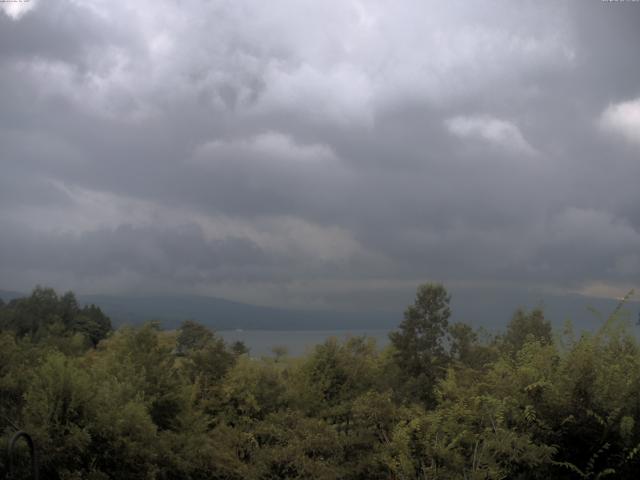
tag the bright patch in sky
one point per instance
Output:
(493, 130)
(17, 8)
(623, 119)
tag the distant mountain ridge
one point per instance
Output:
(222, 314)
(491, 309)
(8, 295)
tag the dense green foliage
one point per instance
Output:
(441, 402)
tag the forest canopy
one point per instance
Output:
(442, 401)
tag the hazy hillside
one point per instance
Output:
(481, 308)
(490, 309)
(7, 295)
(224, 314)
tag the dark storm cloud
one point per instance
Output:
(181, 253)
(308, 147)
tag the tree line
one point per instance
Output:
(442, 401)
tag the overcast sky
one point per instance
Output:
(329, 153)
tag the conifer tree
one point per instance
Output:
(419, 344)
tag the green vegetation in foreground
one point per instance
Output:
(442, 401)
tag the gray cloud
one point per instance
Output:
(274, 152)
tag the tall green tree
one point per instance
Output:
(192, 336)
(419, 344)
(527, 326)
(45, 315)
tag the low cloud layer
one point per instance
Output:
(297, 152)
